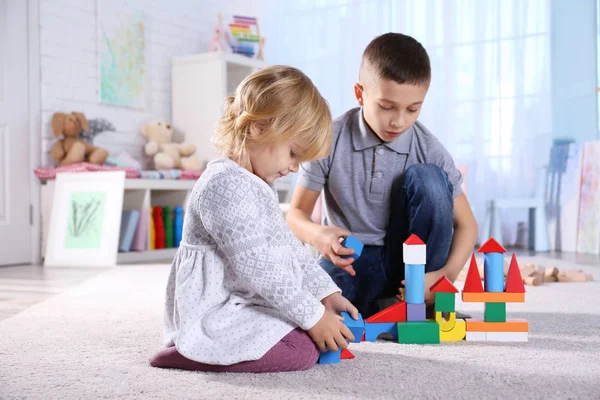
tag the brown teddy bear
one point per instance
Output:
(165, 153)
(71, 149)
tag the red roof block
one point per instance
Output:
(514, 280)
(394, 313)
(414, 239)
(346, 354)
(473, 281)
(443, 285)
(491, 246)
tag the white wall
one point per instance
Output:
(573, 46)
(69, 69)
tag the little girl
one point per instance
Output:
(244, 295)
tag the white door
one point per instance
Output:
(15, 170)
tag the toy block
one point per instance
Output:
(413, 239)
(424, 332)
(414, 251)
(507, 336)
(493, 275)
(473, 280)
(493, 297)
(445, 302)
(353, 243)
(414, 283)
(491, 246)
(330, 357)
(394, 313)
(456, 334)
(476, 336)
(346, 354)
(514, 280)
(443, 285)
(446, 325)
(373, 330)
(511, 325)
(357, 327)
(415, 312)
(495, 312)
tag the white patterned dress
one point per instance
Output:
(241, 280)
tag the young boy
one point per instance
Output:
(386, 177)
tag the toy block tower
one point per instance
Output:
(416, 329)
(415, 255)
(495, 326)
(451, 330)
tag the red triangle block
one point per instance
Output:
(394, 313)
(414, 239)
(346, 354)
(514, 280)
(491, 246)
(443, 285)
(473, 281)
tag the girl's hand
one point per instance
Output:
(336, 303)
(329, 333)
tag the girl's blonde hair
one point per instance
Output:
(287, 107)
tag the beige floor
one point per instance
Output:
(25, 285)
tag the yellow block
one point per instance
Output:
(445, 325)
(493, 297)
(457, 333)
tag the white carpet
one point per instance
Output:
(94, 341)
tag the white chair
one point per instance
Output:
(538, 224)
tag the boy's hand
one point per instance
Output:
(329, 332)
(327, 241)
(336, 303)
(430, 279)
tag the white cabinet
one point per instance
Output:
(199, 86)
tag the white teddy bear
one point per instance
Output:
(168, 155)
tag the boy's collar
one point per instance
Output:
(364, 137)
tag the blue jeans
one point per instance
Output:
(421, 203)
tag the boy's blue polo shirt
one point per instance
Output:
(357, 177)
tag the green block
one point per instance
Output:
(444, 302)
(419, 332)
(495, 312)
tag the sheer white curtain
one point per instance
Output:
(489, 101)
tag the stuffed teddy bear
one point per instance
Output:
(166, 154)
(71, 149)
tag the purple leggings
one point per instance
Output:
(295, 352)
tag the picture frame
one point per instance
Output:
(85, 220)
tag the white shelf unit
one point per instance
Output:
(199, 86)
(139, 194)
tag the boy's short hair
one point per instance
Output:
(399, 58)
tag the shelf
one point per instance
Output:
(160, 184)
(220, 55)
(131, 257)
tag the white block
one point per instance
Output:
(507, 336)
(476, 337)
(414, 253)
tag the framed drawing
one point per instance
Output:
(85, 220)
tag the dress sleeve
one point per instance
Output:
(242, 217)
(315, 279)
